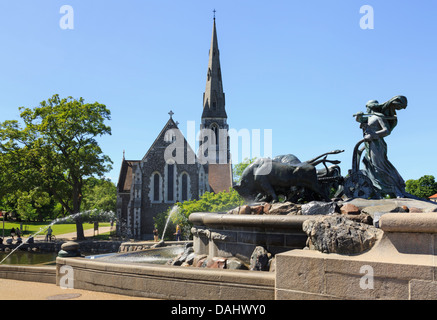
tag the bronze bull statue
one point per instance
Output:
(265, 179)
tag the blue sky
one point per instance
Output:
(300, 68)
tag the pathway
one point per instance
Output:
(25, 290)
(72, 236)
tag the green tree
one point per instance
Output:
(56, 149)
(238, 169)
(30, 204)
(99, 195)
(423, 187)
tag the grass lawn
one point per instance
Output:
(33, 227)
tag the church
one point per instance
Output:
(171, 171)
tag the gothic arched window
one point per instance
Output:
(156, 187)
(215, 129)
(184, 187)
(170, 182)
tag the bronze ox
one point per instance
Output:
(265, 178)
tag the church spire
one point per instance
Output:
(214, 97)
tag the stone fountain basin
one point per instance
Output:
(153, 256)
(226, 235)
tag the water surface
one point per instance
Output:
(29, 258)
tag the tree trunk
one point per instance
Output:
(79, 229)
(76, 209)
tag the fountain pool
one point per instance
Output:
(149, 256)
(28, 258)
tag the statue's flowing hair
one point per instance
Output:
(388, 109)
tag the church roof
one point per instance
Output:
(125, 177)
(170, 125)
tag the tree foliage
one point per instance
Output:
(238, 169)
(423, 187)
(55, 149)
(100, 195)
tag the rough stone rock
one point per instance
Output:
(426, 206)
(284, 208)
(190, 258)
(415, 210)
(362, 218)
(204, 263)
(377, 211)
(199, 259)
(320, 208)
(234, 211)
(349, 208)
(266, 207)
(215, 263)
(235, 264)
(337, 234)
(385, 208)
(259, 260)
(244, 210)
(257, 210)
(186, 253)
(176, 261)
(183, 257)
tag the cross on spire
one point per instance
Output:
(171, 113)
(214, 13)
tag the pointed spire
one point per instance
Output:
(214, 97)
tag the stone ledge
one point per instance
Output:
(292, 222)
(409, 222)
(27, 273)
(423, 290)
(167, 282)
(402, 268)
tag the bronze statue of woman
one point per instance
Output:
(377, 124)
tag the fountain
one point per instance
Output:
(58, 220)
(174, 210)
(397, 261)
(158, 253)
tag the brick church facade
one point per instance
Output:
(171, 171)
